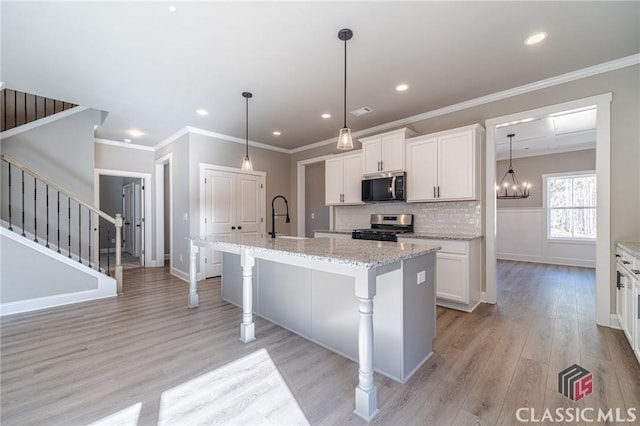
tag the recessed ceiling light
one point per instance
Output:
(402, 87)
(135, 133)
(127, 140)
(202, 112)
(535, 38)
(172, 8)
(276, 133)
(326, 115)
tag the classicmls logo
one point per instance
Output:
(575, 382)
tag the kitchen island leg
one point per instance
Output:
(366, 391)
(247, 328)
(193, 276)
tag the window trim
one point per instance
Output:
(545, 205)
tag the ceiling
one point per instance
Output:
(151, 68)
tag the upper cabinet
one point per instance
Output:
(444, 166)
(343, 180)
(384, 152)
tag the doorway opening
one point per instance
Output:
(164, 211)
(313, 214)
(601, 104)
(118, 192)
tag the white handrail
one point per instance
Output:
(38, 176)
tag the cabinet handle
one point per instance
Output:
(626, 262)
(617, 255)
(381, 165)
(233, 228)
(438, 191)
(239, 227)
(434, 192)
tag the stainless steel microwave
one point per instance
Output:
(384, 188)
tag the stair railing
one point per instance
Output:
(19, 108)
(69, 210)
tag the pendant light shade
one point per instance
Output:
(510, 188)
(345, 141)
(246, 161)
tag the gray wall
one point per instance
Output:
(167, 212)
(314, 199)
(62, 151)
(111, 157)
(531, 169)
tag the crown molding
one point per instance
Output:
(234, 139)
(527, 88)
(123, 144)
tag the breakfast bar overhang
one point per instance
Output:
(364, 261)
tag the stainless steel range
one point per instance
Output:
(385, 227)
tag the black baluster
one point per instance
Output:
(35, 106)
(25, 108)
(23, 233)
(10, 227)
(47, 215)
(4, 100)
(79, 233)
(59, 222)
(35, 209)
(108, 249)
(89, 238)
(15, 109)
(69, 224)
(54, 107)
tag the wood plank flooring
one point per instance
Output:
(119, 360)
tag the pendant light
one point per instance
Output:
(344, 137)
(246, 161)
(510, 188)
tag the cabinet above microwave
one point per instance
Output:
(384, 153)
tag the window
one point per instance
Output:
(571, 206)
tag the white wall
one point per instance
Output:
(521, 235)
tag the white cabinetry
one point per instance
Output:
(384, 153)
(458, 272)
(628, 297)
(343, 180)
(444, 166)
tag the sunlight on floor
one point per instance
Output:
(249, 390)
(127, 417)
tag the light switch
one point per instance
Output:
(421, 277)
(313, 215)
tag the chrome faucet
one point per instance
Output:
(273, 215)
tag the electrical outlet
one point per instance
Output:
(186, 216)
(180, 257)
(421, 277)
(313, 215)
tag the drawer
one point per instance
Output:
(628, 261)
(447, 246)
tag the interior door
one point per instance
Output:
(233, 204)
(128, 213)
(220, 214)
(137, 217)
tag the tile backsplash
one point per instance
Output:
(463, 217)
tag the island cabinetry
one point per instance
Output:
(343, 180)
(458, 272)
(384, 153)
(322, 307)
(444, 166)
(628, 296)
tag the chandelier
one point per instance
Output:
(509, 187)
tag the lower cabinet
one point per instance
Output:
(458, 272)
(628, 298)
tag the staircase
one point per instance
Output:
(19, 108)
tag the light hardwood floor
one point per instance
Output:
(82, 363)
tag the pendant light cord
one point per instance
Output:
(247, 128)
(510, 152)
(345, 83)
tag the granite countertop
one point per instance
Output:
(359, 253)
(632, 247)
(421, 235)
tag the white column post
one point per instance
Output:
(366, 391)
(118, 268)
(193, 276)
(247, 328)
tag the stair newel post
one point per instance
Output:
(119, 252)
(23, 233)
(35, 209)
(10, 227)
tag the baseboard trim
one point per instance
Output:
(615, 323)
(547, 261)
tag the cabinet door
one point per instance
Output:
(352, 179)
(629, 310)
(452, 277)
(392, 152)
(456, 166)
(371, 156)
(422, 171)
(620, 301)
(333, 176)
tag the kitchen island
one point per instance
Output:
(333, 282)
